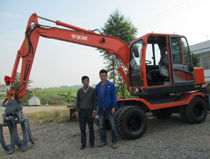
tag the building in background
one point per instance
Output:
(202, 50)
(34, 101)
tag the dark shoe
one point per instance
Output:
(82, 147)
(114, 145)
(91, 146)
(102, 144)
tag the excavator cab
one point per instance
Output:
(160, 64)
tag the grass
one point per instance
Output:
(55, 91)
(58, 116)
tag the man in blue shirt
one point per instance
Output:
(107, 103)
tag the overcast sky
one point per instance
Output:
(60, 63)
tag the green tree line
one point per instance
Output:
(56, 96)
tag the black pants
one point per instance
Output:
(85, 116)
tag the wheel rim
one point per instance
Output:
(134, 124)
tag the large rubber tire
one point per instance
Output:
(118, 113)
(162, 113)
(196, 110)
(132, 122)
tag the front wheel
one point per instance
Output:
(132, 122)
(196, 110)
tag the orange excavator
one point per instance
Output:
(158, 72)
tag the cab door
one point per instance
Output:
(182, 67)
(135, 64)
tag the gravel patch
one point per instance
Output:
(164, 139)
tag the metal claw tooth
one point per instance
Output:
(28, 128)
(11, 147)
(2, 141)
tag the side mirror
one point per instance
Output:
(136, 52)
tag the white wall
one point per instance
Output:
(207, 75)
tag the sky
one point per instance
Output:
(59, 63)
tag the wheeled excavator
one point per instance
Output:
(157, 69)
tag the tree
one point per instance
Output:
(68, 97)
(119, 26)
(195, 60)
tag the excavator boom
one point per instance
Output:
(34, 30)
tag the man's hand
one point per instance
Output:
(113, 111)
(77, 115)
(93, 115)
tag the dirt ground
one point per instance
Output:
(164, 139)
(32, 109)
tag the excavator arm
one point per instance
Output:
(34, 30)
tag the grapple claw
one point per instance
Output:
(13, 116)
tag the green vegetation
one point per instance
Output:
(2, 96)
(3, 92)
(195, 60)
(51, 96)
(56, 96)
(49, 116)
(16, 87)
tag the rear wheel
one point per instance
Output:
(119, 110)
(196, 111)
(132, 122)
